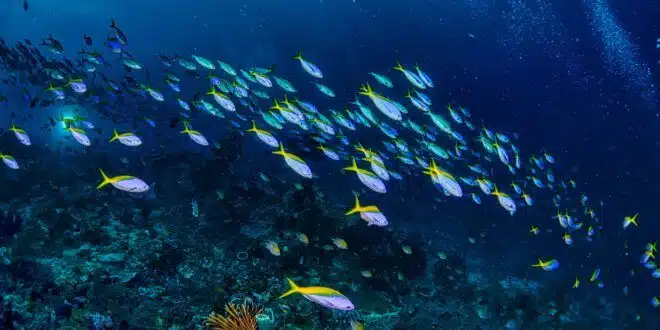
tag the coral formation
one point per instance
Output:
(238, 317)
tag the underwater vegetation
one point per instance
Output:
(193, 190)
(243, 316)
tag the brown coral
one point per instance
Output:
(239, 317)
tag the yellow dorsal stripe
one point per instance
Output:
(107, 180)
(359, 209)
(257, 130)
(285, 154)
(356, 169)
(189, 131)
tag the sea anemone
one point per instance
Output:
(238, 317)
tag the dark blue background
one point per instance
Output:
(536, 68)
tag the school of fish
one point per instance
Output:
(466, 162)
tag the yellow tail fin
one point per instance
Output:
(496, 192)
(254, 127)
(281, 151)
(353, 166)
(106, 180)
(115, 135)
(356, 208)
(186, 129)
(359, 146)
(298, 56)
(540, 264)
(366, 90)
(294, 288)
(276, 106)
(212, 91)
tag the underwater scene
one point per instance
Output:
(329, 164)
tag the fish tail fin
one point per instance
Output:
(429, 171)
(434, 166)
(298, 56)
(115, 135)
(293, 288)
(186, 129)
(281, 151)
(276, 106)
(366, 90)
(212, 91)
(106, 180)
(356, 208)
(633, 220)
(113, 25)
(398, 66)
(496, 192)
(254, 127)
(353, 166)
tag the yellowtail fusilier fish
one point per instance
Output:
(411, 76)
(505, 201)
(368, 178)
(124, 182)
(323, 296)
(9, 161)
(329, 152)
(295, 163)
(80, 136)
(385, 105)
(196, 136)
(309, 67)
(264, 136)
(549, 265)
(127, 139)
(154, 93)
(21, 135)
(424, 77)
(444, 179)
(371, 214)
(223, 100)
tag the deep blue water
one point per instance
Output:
(555, 72)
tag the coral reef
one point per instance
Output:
(107, 260)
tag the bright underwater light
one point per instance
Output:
(66, 121)
(65, 118)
